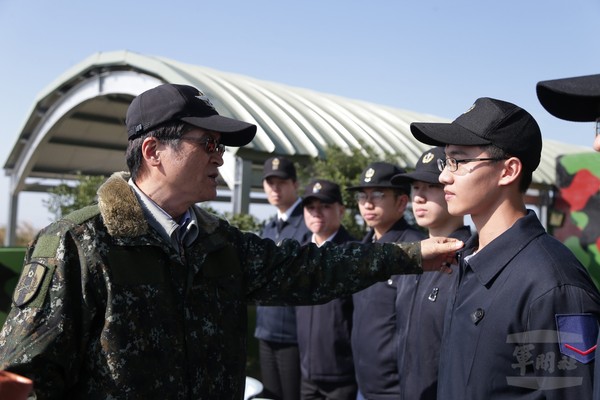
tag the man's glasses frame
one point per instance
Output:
(211, 145)
(374, 198)
(452, 163)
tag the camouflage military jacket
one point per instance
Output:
(106, 309)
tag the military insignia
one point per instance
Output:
(29, 283)
(205, 100)
(434, 294)
(317, 188)
(369, 174)
(275, 164)
(577, 336)
(427, 158)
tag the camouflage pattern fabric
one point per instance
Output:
(104, 316)
(577, 209)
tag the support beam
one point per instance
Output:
(11, 228)
(241, 186)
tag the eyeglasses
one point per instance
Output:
(452, 163)
(210, 145)
(374, 198)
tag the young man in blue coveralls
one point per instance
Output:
(422, 318)
(523, 320)
(375, 325)
(575, 99)
(276, 325)
(324, 330)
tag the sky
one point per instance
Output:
(429, 56)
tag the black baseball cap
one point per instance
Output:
(488, 121)
(171, 103)
(379, 175)
(280, 167)
(572, 99)
(324, 190)
(426, 169)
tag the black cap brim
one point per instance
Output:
(441, 134)
(423, 176)
(572, 99)
(322, 198)
(278, 174)
(233, 132)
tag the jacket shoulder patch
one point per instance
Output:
(33, 283)
(577, 336)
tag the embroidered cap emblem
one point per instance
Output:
(205, 100)
(275, 164)
(317, 188)
(369, 174)
(427, 158)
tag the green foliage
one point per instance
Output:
(244, 222)
(344, 168)
(65, 198)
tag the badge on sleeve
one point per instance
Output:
(29, 283)
(577, 336)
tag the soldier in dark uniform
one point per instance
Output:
(145, 294)
(324, 330)
(575, 99)
(523, 321)
(421, 320)
(276, 325)
(374, 334)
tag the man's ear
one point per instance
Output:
(151, 151)
(511, 171)
(402, 201)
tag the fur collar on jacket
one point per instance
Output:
(123, 215)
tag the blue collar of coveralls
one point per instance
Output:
(491, 260)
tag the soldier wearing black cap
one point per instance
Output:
(374, 335)
(523, 321)
(145, 294)
(324, 330)
(276, 325)
(423, 317)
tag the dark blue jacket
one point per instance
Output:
(374, 331)
(278, 323)
(521, 304)
(420, 307)
(324, 335)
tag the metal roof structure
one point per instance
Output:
(77, 124)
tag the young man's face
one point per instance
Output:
(473, 187)
(280, 192)
(323, 219)
(428, 204)
(382, 208)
